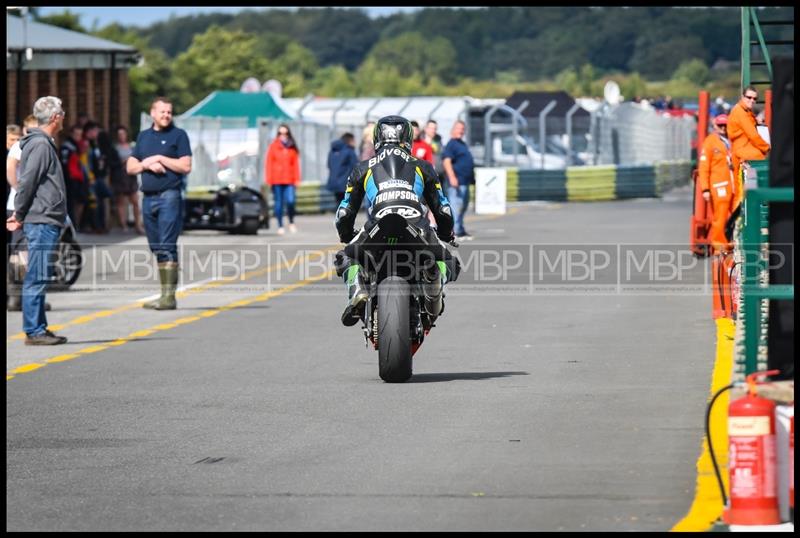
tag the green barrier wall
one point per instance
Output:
(635, 182)
(591, 183)
(542, 185)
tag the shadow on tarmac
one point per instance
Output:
(455, 376)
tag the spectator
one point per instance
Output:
(13, 133)
(341, 160)
(421, 149)
(718, 107)
(163, 157)
(435, 141)
(367, 149)
(460, 171)
(283, 175)
(746, 143)
(75, 175)
(15, 266)
(40, 208)
(125, 185)
(715, 178)
(97, 166)
(82, 119)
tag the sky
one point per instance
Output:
(145, 16)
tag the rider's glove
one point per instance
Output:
(346, 237)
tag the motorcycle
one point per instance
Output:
(67, 261)
(399, 314)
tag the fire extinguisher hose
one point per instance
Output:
(711, 447)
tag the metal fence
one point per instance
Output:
(629, 134)
(226, 150)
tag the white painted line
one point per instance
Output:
(178, 290)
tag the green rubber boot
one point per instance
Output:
(170, 284)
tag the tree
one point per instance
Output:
(411, 53)
(332, 81)
(154, 77)
(218, 59)
(633, 86)
(65, 19)
(694, 70)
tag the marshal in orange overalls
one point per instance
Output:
(715, 176)
(746, 143)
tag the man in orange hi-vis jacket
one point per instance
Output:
(715, 177)
(746, 143)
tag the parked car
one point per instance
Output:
(528, 153)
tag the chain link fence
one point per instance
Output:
(629, 134)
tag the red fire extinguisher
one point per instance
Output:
(752, 458)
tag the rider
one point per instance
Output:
(394, 182)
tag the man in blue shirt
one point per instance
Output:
(163, 157)
(459, 169)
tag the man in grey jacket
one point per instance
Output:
(40, 208)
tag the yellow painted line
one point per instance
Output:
(62, 358)
(25, 368)
(139, 334)
(707, 505)
(93, 349)
(166, 326)
(190, 319)
(138, 304)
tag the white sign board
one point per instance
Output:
(490, 191)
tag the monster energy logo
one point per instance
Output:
(392, 240)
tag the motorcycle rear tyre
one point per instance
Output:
(394, 332)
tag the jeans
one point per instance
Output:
(281, 193)
(102, 194)
(162, 214)
(459, 201)
(42, 241)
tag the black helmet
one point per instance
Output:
(393, 130)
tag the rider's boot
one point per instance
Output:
(356, 294)
(434, 279)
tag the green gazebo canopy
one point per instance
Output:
(235, 104)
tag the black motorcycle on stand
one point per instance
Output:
(401, 311)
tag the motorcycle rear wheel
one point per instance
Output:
(394, 332)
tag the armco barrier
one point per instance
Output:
(512, 185)
(591, 183)
(576, 183)
(542, 185)
(636, 182)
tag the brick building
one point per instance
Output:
(87, 73)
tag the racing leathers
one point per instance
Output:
(393, 181)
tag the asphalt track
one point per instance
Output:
(545, 399)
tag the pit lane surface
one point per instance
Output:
(532, 407)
